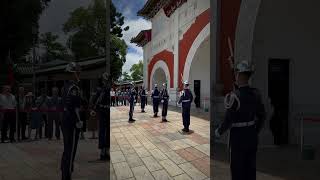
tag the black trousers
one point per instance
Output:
(70, 144)
(54, 118)
(143, 103)
(22, 125)
(104, 128)
(44, 122)
(9, 121)
(131, 110)
(155, 106)
(164, 109)
(186, 117)
(243, 164)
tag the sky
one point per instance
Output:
(58, 12)
(129, 9)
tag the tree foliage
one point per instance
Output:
(126, 76)
(87, 30)
(137, 71)
(19, 23)
(54, 50)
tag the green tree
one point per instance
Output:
(137, 71)
(126, 76)
(19, 23)
(54, 50)
(87, 30)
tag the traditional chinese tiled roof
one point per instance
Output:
(142, 38)
(152, 7)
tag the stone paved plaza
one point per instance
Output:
(148, 149)
(40, 160)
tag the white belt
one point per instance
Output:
(243, 124)
(186, 100)
(155, 96)
(103, 106)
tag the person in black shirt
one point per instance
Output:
(186, 99)
(155, 100)
(164, 95)
(132, 97)
(143, 96)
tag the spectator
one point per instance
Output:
(8, 104)
(22, 122)
(93, 119)
(112, 95)
(42, 105)
(54, 116)
(34, 115)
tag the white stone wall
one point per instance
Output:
(287, 29)
(166, 33)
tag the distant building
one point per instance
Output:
(177, 48)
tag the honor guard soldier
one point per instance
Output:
(102, 102)
(143, 99)
(186, 99)
(164, 99)
(244, 117)
(71, 123)
(132, 96)
(155, 100)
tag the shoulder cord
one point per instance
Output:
(229, 100)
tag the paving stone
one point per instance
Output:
(142, 173)
(142, 152)
(203, 165)
(158, 155)
(173, 156)
(183, 177)
(193, 172)
(151, 163)
(171, 167)
(163, 147)
(133, 160)
(117, 156)
(205, 148)
(186, 155)
(161, 175)
(122, 170)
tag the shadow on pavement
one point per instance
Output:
(283, 162)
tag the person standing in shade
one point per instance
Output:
(186, 99)
(42, 105)
(132, 97)
(165, 100)
(102, 107)
(8, 103)
(244, 117)
(22, 122)
(71, 123)
(155, 100)
(54, 116)
(113, 96)
(143, 96)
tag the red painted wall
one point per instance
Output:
(229, 17)
(168, 58)
(188, 38)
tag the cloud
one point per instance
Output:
(135, 53)
(131, 58)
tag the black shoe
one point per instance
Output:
(165, 120)
(131, 120)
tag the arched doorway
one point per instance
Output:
(159, 77)
(159, 74)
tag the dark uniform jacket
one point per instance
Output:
(155, 95)
(250, 109)
(132, 96)
(71, 101)
(164, 96)
(186, 98)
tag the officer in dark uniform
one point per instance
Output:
(186, 99)
(155, 100)
(164, 99)
(132, 96)
(143, 96)
(244, 117)
(71, 123)
(102, 101)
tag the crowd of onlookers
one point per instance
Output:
(26, 117)
(119, 97)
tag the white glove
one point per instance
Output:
(217, 134)
(79, 124)
(162, 101)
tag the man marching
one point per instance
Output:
(143, 96)
(186, 99)
(244, 117)
(132, 95)
(164, 99)
(155, 100)
(71, 124)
